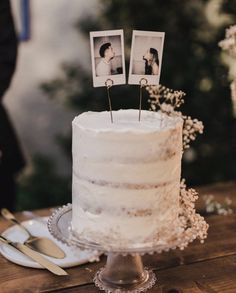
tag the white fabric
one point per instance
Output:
(103, 68)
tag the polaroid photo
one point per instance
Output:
(146, 57)
(108, 60)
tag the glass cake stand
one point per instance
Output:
(124, 270)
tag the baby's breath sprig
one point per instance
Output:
(191, 220)
(229, 45)
(165, 99)
(213, 206)
(191, 128)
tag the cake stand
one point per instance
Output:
(124, 270)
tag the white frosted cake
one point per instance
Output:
(126, 176)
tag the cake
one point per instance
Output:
(126, 176)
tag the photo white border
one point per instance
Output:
(151, 79)
(99, 81)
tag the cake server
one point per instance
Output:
(55, 269)
(41, 244)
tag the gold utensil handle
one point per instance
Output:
(44, 262)
(9, 216)
(40, 244)
(3, 239)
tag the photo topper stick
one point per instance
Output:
(145, 60)
(109, 83)
(143, 82)
(108, 61)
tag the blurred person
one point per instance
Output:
(11, 158)
(151, 62)
(104, 66)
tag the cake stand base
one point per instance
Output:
(124, 274)
(124, 271)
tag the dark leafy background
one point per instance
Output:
(191, 62)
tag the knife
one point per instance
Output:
(55, 269)
(40, 244)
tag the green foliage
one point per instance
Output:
(191, 62)
(43, 187)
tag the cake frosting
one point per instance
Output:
(126, 176)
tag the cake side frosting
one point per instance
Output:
(125, 175)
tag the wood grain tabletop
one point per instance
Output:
(200, 268)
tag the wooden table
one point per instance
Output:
(208, 267)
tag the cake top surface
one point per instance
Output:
(126, 120)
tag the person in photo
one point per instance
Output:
(151, 62)
(104, 66)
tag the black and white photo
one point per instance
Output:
(107, 53)
(146, 57)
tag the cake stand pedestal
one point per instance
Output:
(124, 274)
(124, 271)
